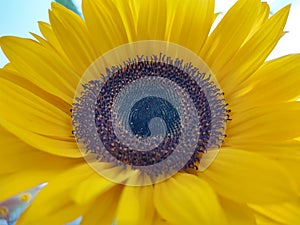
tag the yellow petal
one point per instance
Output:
(29, 111)
(49, 35)
(42, 41)
(40, 66)
(270, 148)
(229, 35)
(9, 67)
(189, 22)
(278, 77)
(127, 12)
(284, 213)
(285, 153)
(30, 176)
(42, 120)
(104, 24)
(244, 176)
(290, 160)
(136, 206)
(55, 199)
(63, 214)
(152, 20)
(277, 122)
(14, 152)
(253, 53)
(50, 145)
(103, 210)
(263, 15)
(90, 188)
(73, 36)
(13, 148)
(23, 167)
(237, 213)
(186, 199)
(14, 77)
(158, 220)
(56, 48)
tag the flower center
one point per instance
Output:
(148, 110)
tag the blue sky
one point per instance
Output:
(19, 17)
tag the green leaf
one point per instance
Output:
(69, 4)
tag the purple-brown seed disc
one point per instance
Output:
(146, 110)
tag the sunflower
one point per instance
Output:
(244, 174)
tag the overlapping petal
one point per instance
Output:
(43, 68)
(104, 208)
(237, 213)
(286, 213)
(227, 39)
(59, 192)
(104, 24)
(279, 121)
(186, 199)
(72, 33)
(276, 81)
(248, 177)
(136, 206)
(35, 116)
(253, 52)
(17, 170)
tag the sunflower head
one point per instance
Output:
(139, 112)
